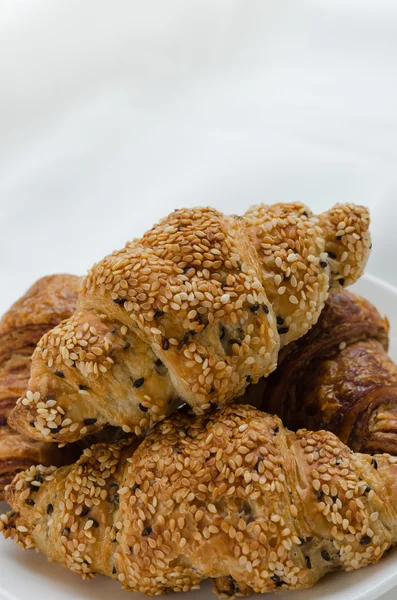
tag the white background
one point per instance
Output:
(114, 113)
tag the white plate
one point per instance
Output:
(24, 575)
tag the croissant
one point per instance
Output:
(47, 302)
(230, 496)
(339, 377)
(193, 311)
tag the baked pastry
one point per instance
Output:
(339, 377)
(193, 311)
(47, 302)
(230, 496)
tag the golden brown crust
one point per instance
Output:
(339, 377)
(195, 309)
(50, 300)
(231, 496)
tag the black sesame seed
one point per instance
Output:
(59, 374)
(338, 460)
(319, 494)
(143, 408)
(138, 382)
(3, 421)
(113, 331)
(187, 268)
(119, 301)
(89, 421)
(126, 346)
(147, 531)
(158, 314)
(365, 540)
(276, 429)
(66, 531)
(374, 463)
(30, 502)
(135, 487)
(283, 330)
(308, 562)
(275, 578)
(325, 555)
(56, 429)
(183, 341)
(367, 489)
(95, 523)
(49, 509)
(235, 341)
(165, 345)
(83, 387)
(341, 281)
(31, 423)
(323, 264)
(254, 309)
(309, 539)
(266, 309)
(39, 478)
(280, 321)
(212, 390)
(331, 254)
(114, 571)
(85, 511)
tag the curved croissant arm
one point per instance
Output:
(230, 496)
(340, 378)
(193, 311)
(47, 302)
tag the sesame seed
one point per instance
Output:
(138, 382)
(22, 529)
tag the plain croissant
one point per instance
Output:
(230, 496)
(47, 302)
(339, 377)
(192, 312)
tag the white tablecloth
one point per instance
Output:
(114, 113)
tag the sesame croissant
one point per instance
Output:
(230, 496)
(339, 377)
(193, 311)
(47, 302)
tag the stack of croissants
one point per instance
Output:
(208, 402)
